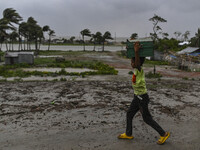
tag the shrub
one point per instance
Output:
(152, 75)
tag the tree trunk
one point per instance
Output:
(39, 45)
(83, 44)
(49, 43)
(6, 46)
(12, 46)
(24, 43)
(1, 46)
(94, 47)
(19, 44)
(103, 47)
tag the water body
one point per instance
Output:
(71, 48)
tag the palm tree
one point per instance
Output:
(4, 26)
(94, 39)
(23, 32)
(51, 34)
(99, 37)
(85, 32)
(13, 37)
(107, 35)
(12, 16)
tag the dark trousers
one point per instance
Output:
(141, 103)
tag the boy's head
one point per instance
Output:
(142, 59)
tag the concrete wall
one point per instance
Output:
(26, 58)
(11, 60)
(19, 57)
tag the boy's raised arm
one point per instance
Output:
(137, 58)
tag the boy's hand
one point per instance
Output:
(137, 46)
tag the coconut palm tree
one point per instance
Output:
(85, 32)
(51, 34)
(13, 37)
(4, 26)
(23, 32)
(12, 16)
(99, 37)
(94, 39)
(45, 28)
(107, 35)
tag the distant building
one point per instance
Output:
(183, 43)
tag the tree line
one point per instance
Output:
(13, 29)
(161, 40)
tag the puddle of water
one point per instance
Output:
(52, 56)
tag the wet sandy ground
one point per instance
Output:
(89, 113)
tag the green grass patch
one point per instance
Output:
(17, 71)
(69, 53)
(152, 75)
(153, 62)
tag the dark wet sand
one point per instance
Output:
(76, 115)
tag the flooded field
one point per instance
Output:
(71, 48)
(58, 69)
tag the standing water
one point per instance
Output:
(71, 48)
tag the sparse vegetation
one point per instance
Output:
(152, 75)
(17, 71)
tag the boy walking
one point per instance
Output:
(141, 100)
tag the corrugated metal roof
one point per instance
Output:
(188, 50)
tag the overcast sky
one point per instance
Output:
(120, 17)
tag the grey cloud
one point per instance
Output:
(69, 17)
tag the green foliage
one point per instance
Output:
(166, 44)
(155, 62)
(2, 53)
(185, 78)
(152, 75)
(16, 70)
(63, 79)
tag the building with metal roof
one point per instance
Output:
(189, 50)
